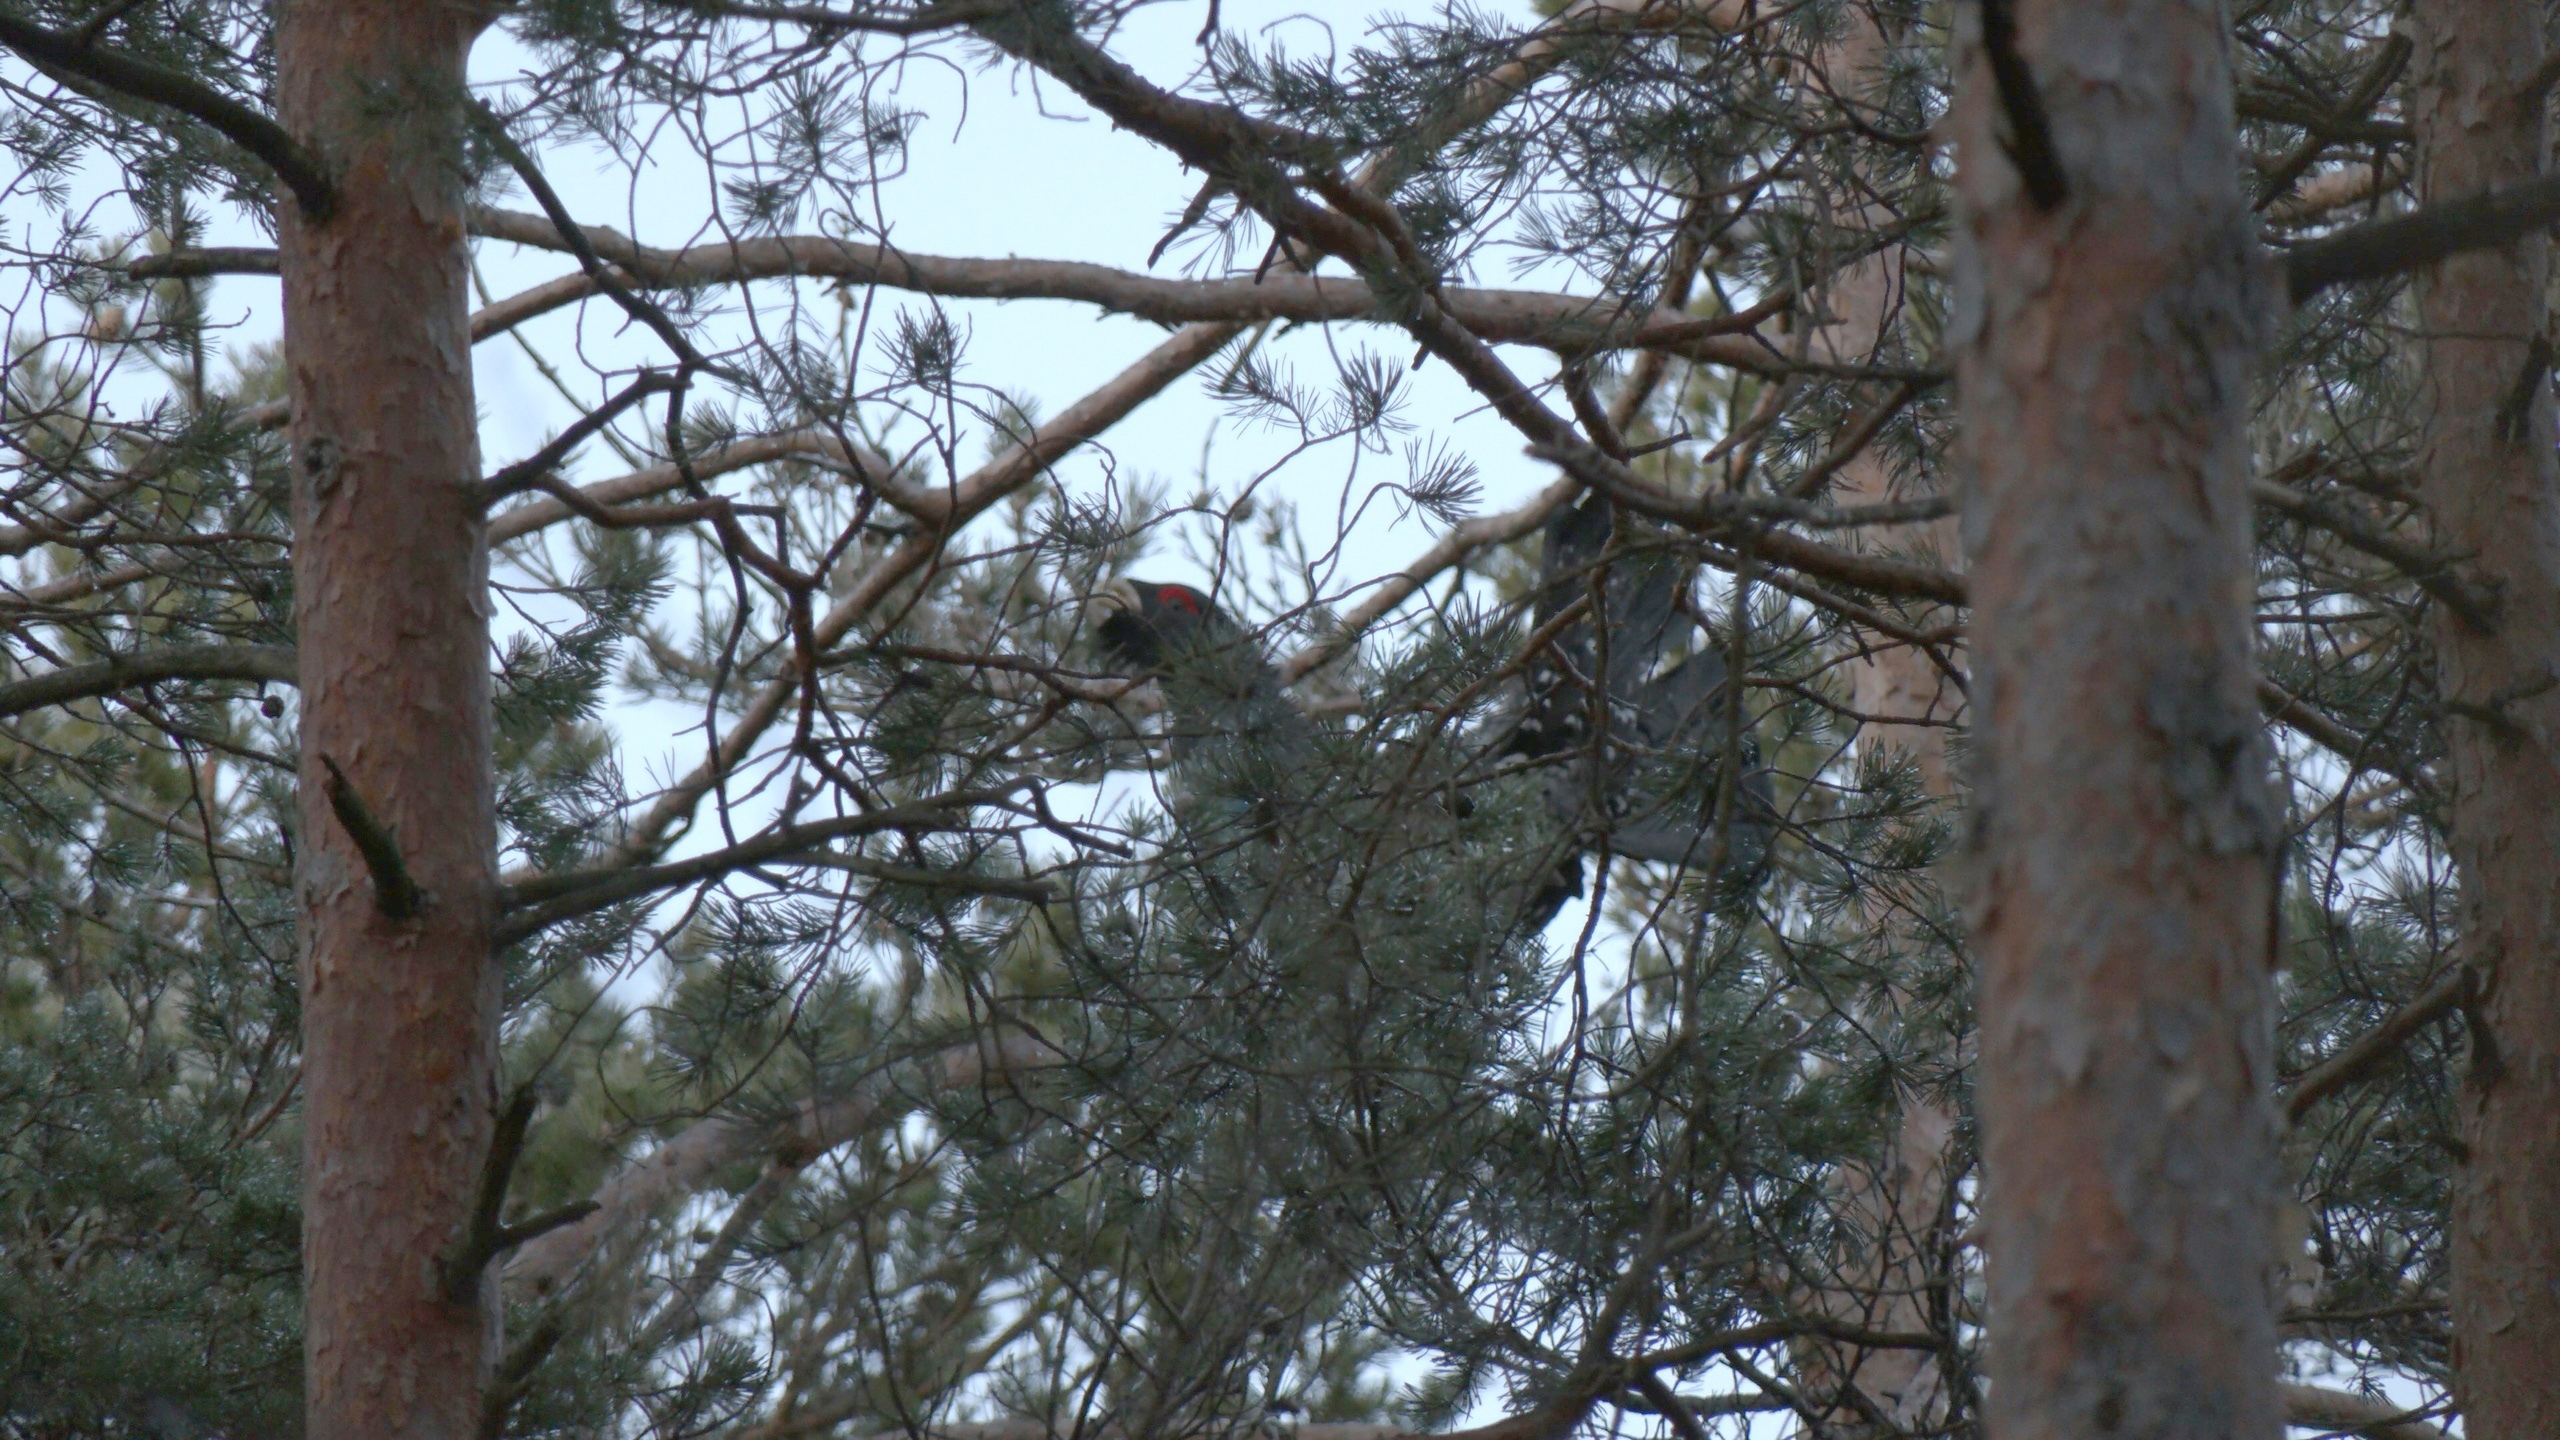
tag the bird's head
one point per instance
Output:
(1146, 626)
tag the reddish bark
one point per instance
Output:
(399, 1016)
(2124, 829)
(2493, 486)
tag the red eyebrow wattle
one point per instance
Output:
(1177, 596)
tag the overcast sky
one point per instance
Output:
(1003, 167)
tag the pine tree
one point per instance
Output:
(1529, 980)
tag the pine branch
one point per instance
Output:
(1009, 472)
(548, 900)
(2422, 237)
(696, 1158)
(1108, 403)
(2362, 752)
(2432, 572)
(252, 131)
(1727, 515)
(516, 478)
(2359, 1057)
(1565, 324)
(61, 525)
(2358, 105)
(273, 663)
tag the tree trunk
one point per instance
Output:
(2492, 486)
(2124, 832)
(1891, 1210)
(399, 1015)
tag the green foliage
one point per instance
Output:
(1367, 1089)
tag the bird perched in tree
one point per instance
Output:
(1232, 731)
(1155, 628)
(1646, 736)
(1643, 787)
(1216, 680)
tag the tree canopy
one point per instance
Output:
(1484, 946)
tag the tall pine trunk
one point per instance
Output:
(2493, 488)
(399, 1012)
(2124, 830)
(1892, 1210)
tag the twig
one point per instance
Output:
(570, 232)
(485, 1239)
(525, 473)
(2369, 87)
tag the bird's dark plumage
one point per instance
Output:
(1147, 626)
(1219, 690)
(1667, 726)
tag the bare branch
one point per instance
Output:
(816, 445)
(200, 264)
(516, 478)
(2422, 237)
(1481, 533)
(76, 585)
(2314, 1408)
(1566, 324)
(148, 667)
(486, 1238)
(2298, 715)
(947, 15)
(1735, 517)
(2030, 138)
(495, 131)
(395, 893)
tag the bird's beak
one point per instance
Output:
(1116, 596)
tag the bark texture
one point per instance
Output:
(391, 574)
(2493, 488)
(2124, 830)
